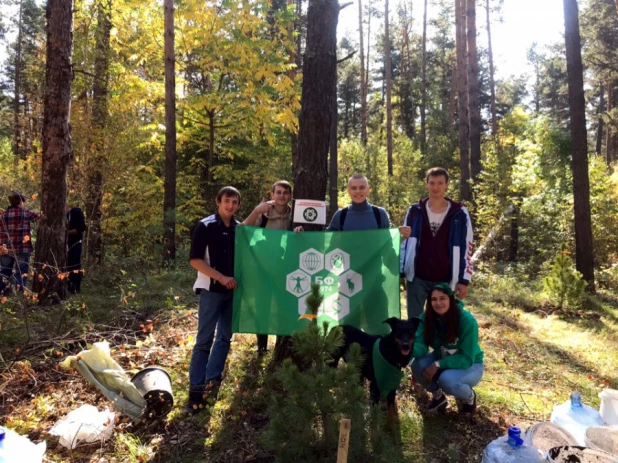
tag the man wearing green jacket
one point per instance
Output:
(455, 364)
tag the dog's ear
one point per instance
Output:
(392, 322)
(416, 321)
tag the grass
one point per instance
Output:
(533, 359)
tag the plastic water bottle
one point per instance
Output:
(510, 449)
(576, 417)
(2, 437)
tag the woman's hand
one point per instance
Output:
(430, 372)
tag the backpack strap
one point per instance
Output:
(264, 221)
(377, 215)
(342, 216)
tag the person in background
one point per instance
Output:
(455, 364)
(76, 226)
(16, 243)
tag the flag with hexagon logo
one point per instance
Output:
(358, 273)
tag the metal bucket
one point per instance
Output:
(602, 438)
(155, 385)
(576, 454)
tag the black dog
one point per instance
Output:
(395, 349)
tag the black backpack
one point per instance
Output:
(376, 214)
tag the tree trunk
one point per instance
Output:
(368, 46)
(389, 85)
(50, 255)
(333, 168)
(514, 242)
(319, 77)
(611, 129)
(600, 111)
(452, 96)
(17, 148)
(292, 72)
(584, 251)
(97, 160)
(473, 93)
(169, 196)
(363, 83)
(462, 96)
(424, 82)
(316, 113)
(492, 83)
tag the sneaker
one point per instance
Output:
(469, 406)
(437, 403)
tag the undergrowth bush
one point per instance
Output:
(564, 284)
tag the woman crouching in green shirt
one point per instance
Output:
(455, 364)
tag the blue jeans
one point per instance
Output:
(18, 279)
(458, 383)
(215, 310)
(417, 291)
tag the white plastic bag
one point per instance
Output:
(85, 424)
(20, 449)
(103, 372)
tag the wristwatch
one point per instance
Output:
(437, 363)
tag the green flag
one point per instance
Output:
(358, 272)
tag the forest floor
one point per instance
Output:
(534, 356)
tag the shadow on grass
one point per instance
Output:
(557, 354)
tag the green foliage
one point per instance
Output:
(564, 283)
(310, 400)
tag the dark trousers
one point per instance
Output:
(74, 262)
(262, 342)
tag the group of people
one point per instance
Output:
(16, 245)
(435, 261)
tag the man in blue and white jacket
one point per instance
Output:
(437, 244)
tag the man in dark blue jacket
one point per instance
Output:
(437, 244)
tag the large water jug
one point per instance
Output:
(510, 449)
(19, 449)
(2, 436)
(575, 417)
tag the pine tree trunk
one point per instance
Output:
(473, 93)
(316, 113)
(389, 85)
(492, 83)
(452, 100)
(97, 159)
(368, 47)
(319, 78)
(424, 83)
(333, 168)
(50, 253)
(462, 95)
(292, 72)
(584, 251)
(600, 110)
(17, 148)
(169, 197)
(363, 83)
(611, 129)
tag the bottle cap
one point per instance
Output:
(576, 399)
(2, 433)
(515, 439)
